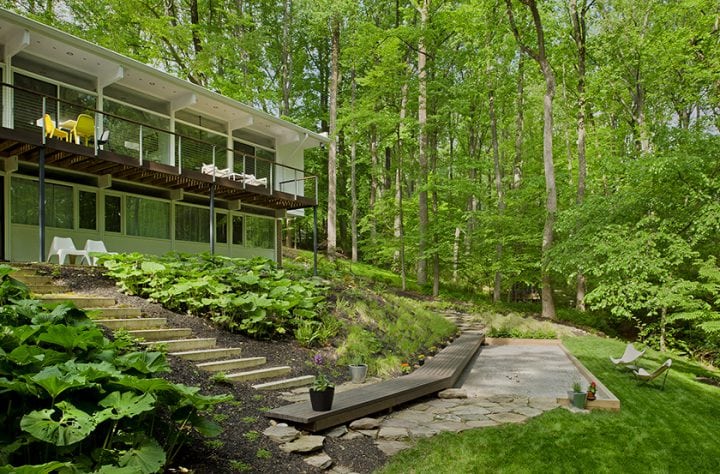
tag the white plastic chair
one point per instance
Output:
(217, 172)
(64, 246)
(95, 246)
(629, 356)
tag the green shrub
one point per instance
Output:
(72, 399)
(248, 296)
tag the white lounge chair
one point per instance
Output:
(629, 356)
(63, 247)
(646, 377)
(95, 246)
(217, 172)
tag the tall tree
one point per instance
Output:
(423, 7)
(540, 56)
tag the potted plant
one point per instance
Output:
(322, 390)
(578, 396)
(358, 370)
(592, 390)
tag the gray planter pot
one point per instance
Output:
(358, 373)
(578, 399)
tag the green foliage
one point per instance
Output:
(65, 391)
(248, 296)
(11, 289)
(384, 329)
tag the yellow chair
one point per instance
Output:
(51, 131)
(84, 128)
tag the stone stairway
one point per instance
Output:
(155, 333)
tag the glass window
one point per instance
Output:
(29, 105)
(113, 209)
(87, 206)
(147, 218)
(24, 199)
(221, 221)
(237, 230)
(129, 137)
(192, 224)
(260, 232)
(195, 147)
(58, 204)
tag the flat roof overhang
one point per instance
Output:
(79, 158)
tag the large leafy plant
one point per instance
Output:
(72, 400)
(244, 295)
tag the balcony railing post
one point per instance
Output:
(271, 185)
(297, 182)
(140, 148)
(44, 111)
(179, 153)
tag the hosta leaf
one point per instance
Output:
(55, 382)
(147, 458)
(18, 386)
(71, 337)
(127, 404)
(143, 385)
(47, 468)
(144, 362)
(248, 278)
(74, 425)
(152, 267)
(205, 426)
(112, 469)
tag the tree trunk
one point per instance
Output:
(353, 176)
(548, 304)
(332, 149)
(373, 179)
(519, 125)
(498, 188)
(663, 335)
(580, 35)
(423, 218)
(399, 227)
(286, 59)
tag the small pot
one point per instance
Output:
(578, 399)
(322, 400)
(591, 396)
(358, 372)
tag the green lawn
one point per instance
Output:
(676, 430)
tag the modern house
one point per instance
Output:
(95, 145)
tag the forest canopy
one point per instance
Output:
(568, 149)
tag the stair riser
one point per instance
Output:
(133, 324)
(259, 374)
(32, 280)
(287, 383)
(46, 289)
(183, 345)
(208, 355)
(226, 365)
(115, 313)
(80, 302)
(160, 334)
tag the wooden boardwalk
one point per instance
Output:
(438, 373)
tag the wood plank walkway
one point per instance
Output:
(439, 373)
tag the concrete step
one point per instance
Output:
(259, 374)
(33, 279)
(301, 381)
(24, 271)
(81, 301)
(133, 323)
(115, 312)
(160, 334)
(232, 364)
(47, 289)
(209, 354)
(176, 345)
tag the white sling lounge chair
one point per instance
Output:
(63, 247)
(646, 377)
(629, 356)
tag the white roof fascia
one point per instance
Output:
(130, 64)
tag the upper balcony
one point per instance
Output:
(136, 150)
